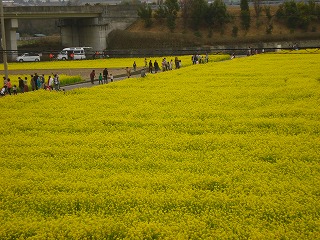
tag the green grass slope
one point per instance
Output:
(224, 150)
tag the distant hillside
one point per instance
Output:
(159, 36)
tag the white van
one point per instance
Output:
(72, 53)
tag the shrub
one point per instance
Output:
(235, 30)
(269, 28)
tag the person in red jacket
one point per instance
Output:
(9, 86)
(92, 76)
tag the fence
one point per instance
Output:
(174, 52)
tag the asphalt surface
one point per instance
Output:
(88, 84)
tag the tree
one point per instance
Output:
(257, 7)
(244, 5)
(198, 12)
(245, 14)
(172, 8)
(160, 13)
(291, 14)
(296, 14)
(317, 12)
(267, 10)
(168, 11)
(257, 10)
(305, 16)
(221, 15)
(209, 15)
(269, 26)
(186, 11)
(216, 14)
(145, 13)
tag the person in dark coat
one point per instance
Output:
(21, 85)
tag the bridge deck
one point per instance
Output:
(52, 12)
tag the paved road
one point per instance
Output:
(88, 84)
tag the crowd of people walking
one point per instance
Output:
(36, 82)
(197, 58)
(105, 77)
(153, 67)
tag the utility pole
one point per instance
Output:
(3, 41)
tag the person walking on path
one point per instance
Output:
(9, 86)
(21, 85)
(105, 75)
(128, 70)
(170, 64)
(14, 90)
(33, 86)
(35, 81)
(92, 76)
(134, 66)
(156, 66)
(100, 79)
(143, 72)
(26, 88)
(39, 82)
(50, 82)
(150, 66)
(56, 82)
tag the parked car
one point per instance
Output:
(28, 57)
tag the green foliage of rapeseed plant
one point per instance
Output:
(225, 150)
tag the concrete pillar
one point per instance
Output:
(94, 36)
(70, 33)
(11, 26)
(90, 32)
(75, 34)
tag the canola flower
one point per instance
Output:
(93, 64)
(105, 63)
(226, 150)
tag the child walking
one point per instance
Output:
(100, 78)
(14, 89)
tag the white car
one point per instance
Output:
(29, 57)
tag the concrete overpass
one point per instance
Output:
(80, 25)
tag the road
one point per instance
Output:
(88, 84)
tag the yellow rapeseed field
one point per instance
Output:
(224, 150)
(105, 63)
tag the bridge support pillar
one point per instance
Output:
(95, 36)
(11, 26)
(84, 33)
